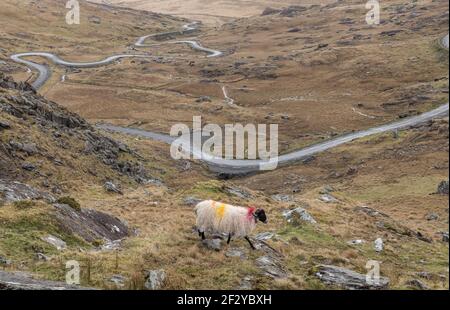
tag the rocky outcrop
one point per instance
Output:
(270, 11)
(91, 225)
(155, 279)
(18, 281)
(348, 279)
(298, 216)
(20, 101)
(443, 188)
(11, 191)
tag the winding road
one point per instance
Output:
(45, 72)
(241, 167)
(216, 164)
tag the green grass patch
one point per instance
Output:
(71, 202)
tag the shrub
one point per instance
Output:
(71, 202)
(23, 204)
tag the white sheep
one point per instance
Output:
(232, 220)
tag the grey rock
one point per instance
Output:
(29, 148)
(264, 236)
(118, 280)
(327, 189)
(56, 242)
(444, 236)
(295, 29)
(328, 198)
(4, 125)
(111, 245)
(283, 198)
(308, 159)
(270, 11)
(356, 242)
(425, 275)
(246, 284)
(443, 188)
(370, 211)
(272, 267)
(91, 225)
(292, 10)
(112, 187)
(415, 283)
(4, 261)
(192, 201)
(378, 245)
(28, 166)
(235, 252)
(95, 20)
(348, 279)
(24, 281)
(11, 191)
(390, 33)
(238, 192)
(212, 244)
(42, 257)
(203, 99)
(154, 279)
(292, 216)
(432, 217)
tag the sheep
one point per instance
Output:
(232, 220)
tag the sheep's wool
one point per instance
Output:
(224, 218)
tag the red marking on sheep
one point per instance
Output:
(250, 212)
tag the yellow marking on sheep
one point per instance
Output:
(220, 211)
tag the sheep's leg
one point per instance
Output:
(250, 242)
(201, 234)
(229, 239)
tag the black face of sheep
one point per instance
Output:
(260, 214)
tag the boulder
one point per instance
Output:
(91, 225)
(191, 201)
(328, 198)
(270, 11)
(378, 245)
(203, 99)
(238, 192)
(11, 191)
(443, 188)
(118, 280)
(348, 279)
(4, 125)
(56, 242)
(417, 284)
(444, 236)
(112, 187)
(154, 279)
(283, 198)
(271, 267)
(212, 244)
(24, 281)
(432, 217)
(264, 236)
(298, 215)
(4, 262)
(292, 10)
(356, 242)
(235, 252)
(246, 284)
